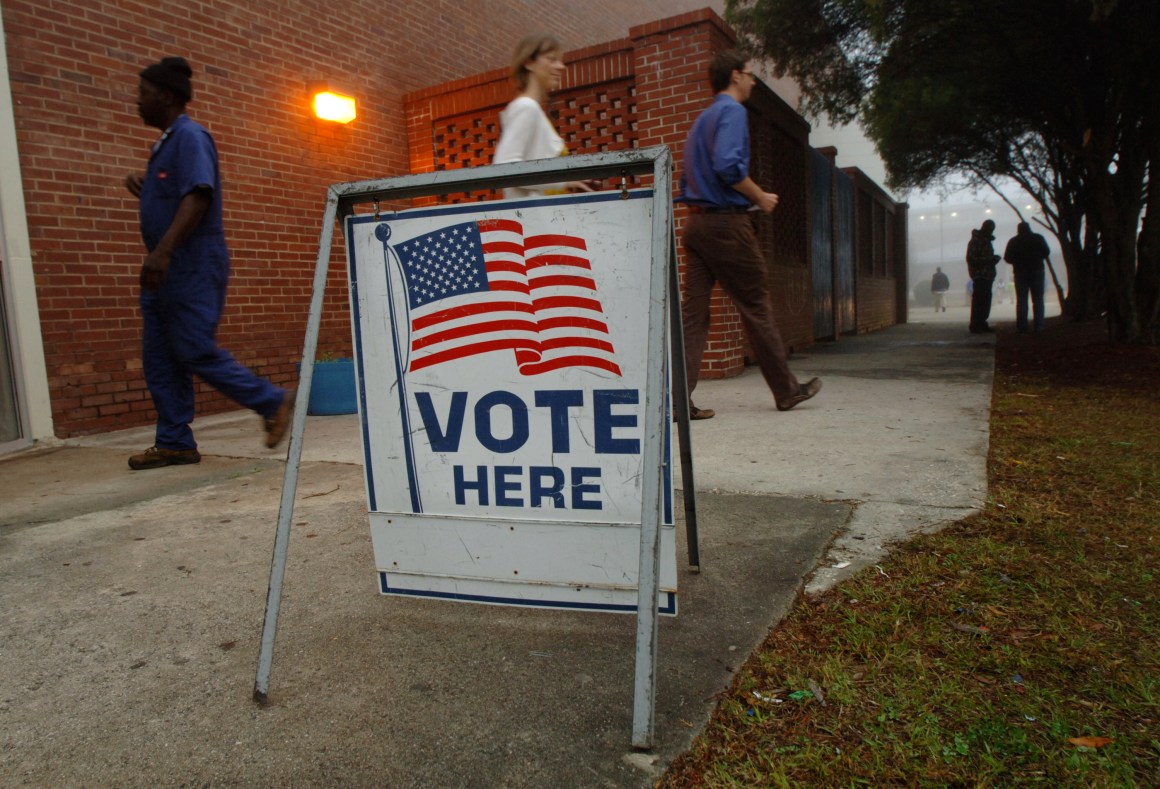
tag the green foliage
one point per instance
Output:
(1059, 95)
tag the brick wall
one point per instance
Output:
(879, 255)
(672, 90)
(73, 77)
(642, 91)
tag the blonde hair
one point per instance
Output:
(530, 48)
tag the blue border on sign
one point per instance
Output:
(356, 324)
(669, 607)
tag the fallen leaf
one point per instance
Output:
(970, 628)
(817, 691)
(1090, 742)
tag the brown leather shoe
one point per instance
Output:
(700, 413)
(156, 457)
(805, 392)
(277, 424)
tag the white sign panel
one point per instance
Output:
(502, 351)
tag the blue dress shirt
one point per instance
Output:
(717, 156)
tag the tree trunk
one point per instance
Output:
(1077, 283)
(1148, 269)
(1087, 296)
(1117, 200)
(1118, 254)
(1068, 231)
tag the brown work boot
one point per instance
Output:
(805, 392)
(156, 457)
(700, 413)
(277, 424)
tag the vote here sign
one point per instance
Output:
(501, 349)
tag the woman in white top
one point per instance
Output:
(525, 131)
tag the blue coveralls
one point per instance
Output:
(181, 317)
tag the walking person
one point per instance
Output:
(981, 260)
(526, 133)
(1027, 252)
(719, 239)
(184, 276)
(940, 283)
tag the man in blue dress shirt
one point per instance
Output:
(184, 276)
(719, 240)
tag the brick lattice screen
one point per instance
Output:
(590, 119)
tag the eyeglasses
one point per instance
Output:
(749, 74)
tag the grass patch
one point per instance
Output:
(991, 650)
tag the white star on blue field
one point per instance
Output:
(442, 263)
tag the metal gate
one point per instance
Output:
(844, 302)
(822, 243)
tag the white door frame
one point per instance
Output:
(20, 308)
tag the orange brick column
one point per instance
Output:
(672, 89)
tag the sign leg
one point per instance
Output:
(680, 385)
(294, 458)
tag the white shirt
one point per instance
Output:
(527, 134)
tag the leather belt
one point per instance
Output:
(708, 209)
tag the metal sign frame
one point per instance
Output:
(662, 302)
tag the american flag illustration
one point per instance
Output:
(478, 287)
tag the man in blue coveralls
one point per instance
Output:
(719, 240)
(184, 276)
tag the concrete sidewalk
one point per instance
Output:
(134, 600)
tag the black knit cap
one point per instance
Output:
(172, 74)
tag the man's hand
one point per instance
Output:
(154, 269)
(766, 202)
(190, 211)
(133, 184)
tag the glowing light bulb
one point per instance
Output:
(330, 106)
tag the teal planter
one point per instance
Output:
(333, 390)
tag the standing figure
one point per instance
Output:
(185, 273)
(940, 283)
(981, 260)
(1027, 252)
(525, 131)
(719, 240)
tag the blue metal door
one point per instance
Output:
(822, 244)
(844, 302)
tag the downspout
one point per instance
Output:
(20, 304)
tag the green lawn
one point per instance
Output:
(1019, 646)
